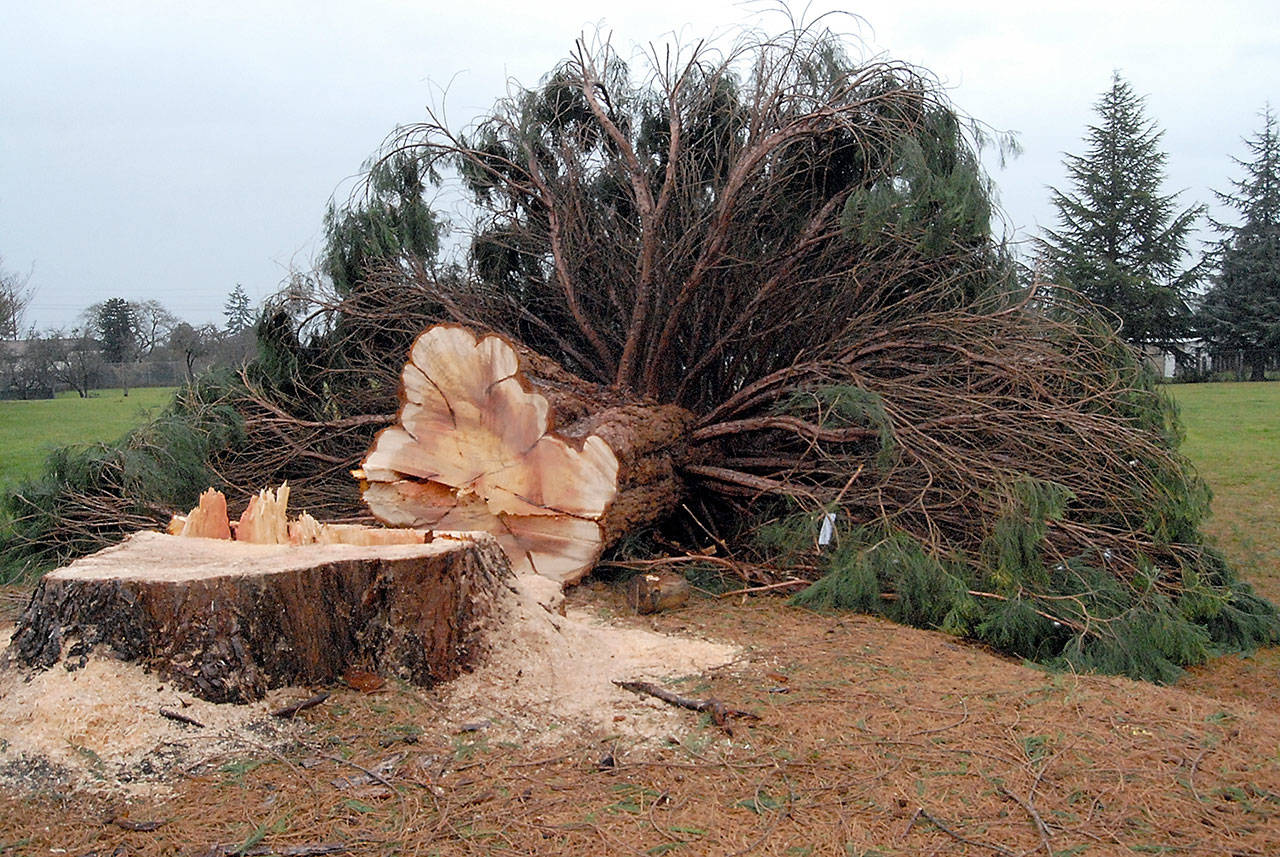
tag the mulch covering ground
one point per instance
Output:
(872, 739)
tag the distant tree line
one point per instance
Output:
(117, 343)
(1124, 244)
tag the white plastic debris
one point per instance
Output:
(828, 529)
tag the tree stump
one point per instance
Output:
(227, 620)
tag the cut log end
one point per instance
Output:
(653, 593)
(476, 448)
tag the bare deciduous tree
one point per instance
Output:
(15, 297)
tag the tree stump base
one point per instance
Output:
(227, 621)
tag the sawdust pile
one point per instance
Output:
(100, 726)
(547, 676)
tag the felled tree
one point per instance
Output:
(795, 249)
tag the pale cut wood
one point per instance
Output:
(228, 620)
(494, 437)
(306, 530)
(653, 593)
(265, 520)
(208, 519)
(474, 449)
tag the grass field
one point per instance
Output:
(28, 430)
(1233, 437)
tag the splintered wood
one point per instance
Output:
(476, 448)
(265, 521)
(207, 520)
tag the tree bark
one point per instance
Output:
(227, 621)
(493, 437)
(1258, 365)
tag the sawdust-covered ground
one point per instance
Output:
(871, 739)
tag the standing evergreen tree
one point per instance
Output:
(115, 324)
(238, 311)
(1119, 241)
(1242, 308)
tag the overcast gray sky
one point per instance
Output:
(171, 151)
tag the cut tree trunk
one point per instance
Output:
(227, 620)
(493, 437)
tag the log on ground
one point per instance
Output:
(227, 621)
(493, 437)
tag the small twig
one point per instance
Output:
(937, 729)
(1191, 775)
(373, 775)
(795, 581)
(923, 813)
(539, 762)
(138, 826)
(313, 850)
(291, 710)
(180, 717)
(719, 712)
(911, 822)
(1030, 810)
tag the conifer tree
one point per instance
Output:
(115, 323)
(1120, 242)
(1242, 308)
(238, 311)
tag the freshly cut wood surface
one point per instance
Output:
(265, 520)
(306, 530)
(477, 448)
(228, 620)
(652, 593)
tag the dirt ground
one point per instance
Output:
(870, 739)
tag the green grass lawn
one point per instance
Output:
(1233, 437)
(28, 430)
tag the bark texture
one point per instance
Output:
(227, 621)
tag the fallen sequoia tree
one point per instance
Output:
(764, 280)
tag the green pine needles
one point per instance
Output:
(1078, 614)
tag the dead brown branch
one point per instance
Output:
(720, 713)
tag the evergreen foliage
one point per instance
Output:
(238, 312)
(1120, 242)
(1018, 596)
(1242, 307)
(393, 223)
(115, 324)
